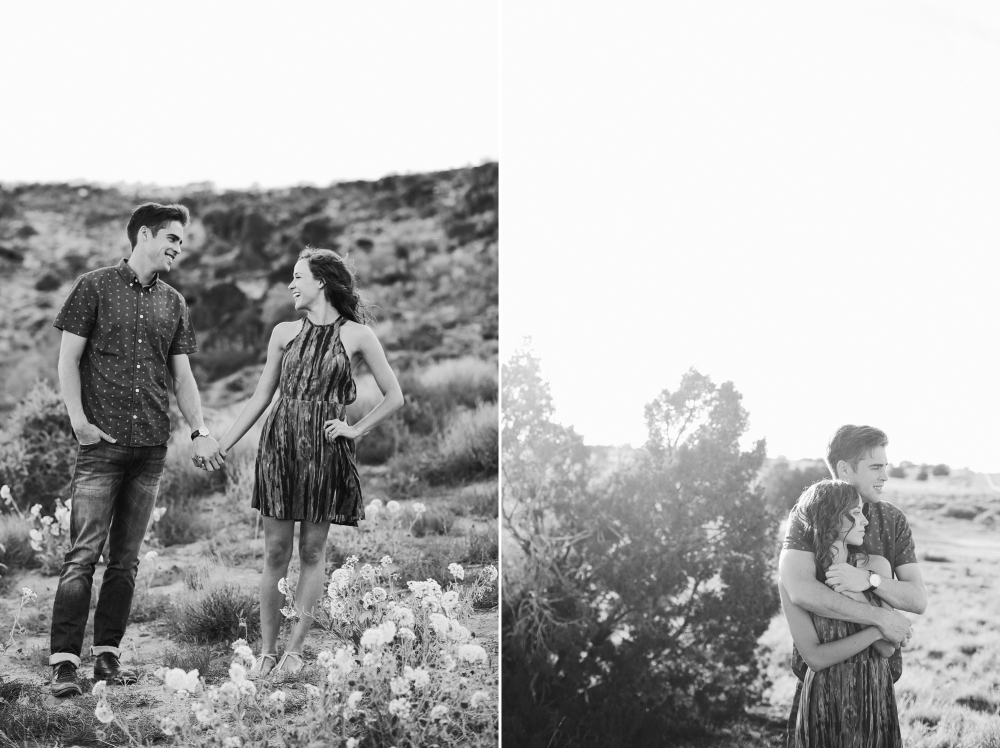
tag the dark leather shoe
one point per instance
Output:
(107, 667)
(63, 681)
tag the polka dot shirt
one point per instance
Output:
(131, 330)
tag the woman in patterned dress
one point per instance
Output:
(847, 697)
(306, 469)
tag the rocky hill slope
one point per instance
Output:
(425, 248)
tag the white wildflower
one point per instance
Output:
(5, 492)
(36, 510)
(471, 653)
(439, 623)
(229, 692)
(202, 712)
(386, 560)
(458, 632)
(368, 600)
(324, 658)
(399, 708)
(354, 699)
(368, 573)
(456, 571)
(151, 555)
(54, 529)
(169, 725)
(420, 676)
(352, 743)
(479, 697)
(237, 673)
(103, 712)
(100, 687)
(289, 612)
(406, 634)
(438, 712)
(312, 692)
(379, 594)
(449, 601)
(46, 520)
(283, 586)
(27, 596)
(403, 616)
(233, 741)
(372, 638)
(419, 508)
(158, 513)
(388, 629)
(247, 687)
(491, 573)
(447, 661)
(393, 508)
(278, 697)
(400, 686)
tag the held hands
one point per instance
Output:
(335, 427)
(87, 433)
(847, 578)
(208, 455)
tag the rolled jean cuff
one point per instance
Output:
(116, 651)
(55, 659)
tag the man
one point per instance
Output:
(857, 455)
(122, 329)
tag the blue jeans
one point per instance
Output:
(114, 491)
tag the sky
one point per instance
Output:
(245, 93)
(800, 198)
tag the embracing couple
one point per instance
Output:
(123, 331)
(847, 567)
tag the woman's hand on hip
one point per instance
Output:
(335, 428)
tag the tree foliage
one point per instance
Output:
(784, 485)
(633, 605)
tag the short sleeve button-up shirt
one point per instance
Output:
(888, 534)
(131, 331)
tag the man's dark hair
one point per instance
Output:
(154, 217)
(852, 444)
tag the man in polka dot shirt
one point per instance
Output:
(123, 329)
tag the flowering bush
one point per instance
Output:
(408, 673)
(27, 598)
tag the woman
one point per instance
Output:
(306, 469)
(847, 696)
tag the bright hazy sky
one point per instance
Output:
(801, 198)
(237, 93)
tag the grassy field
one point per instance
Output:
(192, 598)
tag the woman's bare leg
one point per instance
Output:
(278, 534)
(312, 579)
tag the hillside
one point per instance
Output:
(425, 247)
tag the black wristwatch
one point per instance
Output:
(199, 432)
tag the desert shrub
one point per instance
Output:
(181, 486)
(632, 609)
(896, 471)
(382, 443)
(219, 614)
(922, 475)
(783, 486)
(480, 499)
(941, 469)
(468, 450)
(435, 521)
(190, 657)
(38, 449)
(962, 511)
(15, 543)
(148, 606)
(483, 547)
(432, 394)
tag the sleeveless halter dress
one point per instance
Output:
(851, 704)
(299, 475)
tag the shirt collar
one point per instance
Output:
(126, 272)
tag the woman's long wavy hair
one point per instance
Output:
(821, 508)
(339, 284)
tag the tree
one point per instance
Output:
(941, 469)
(651, 588)
(783, 485)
